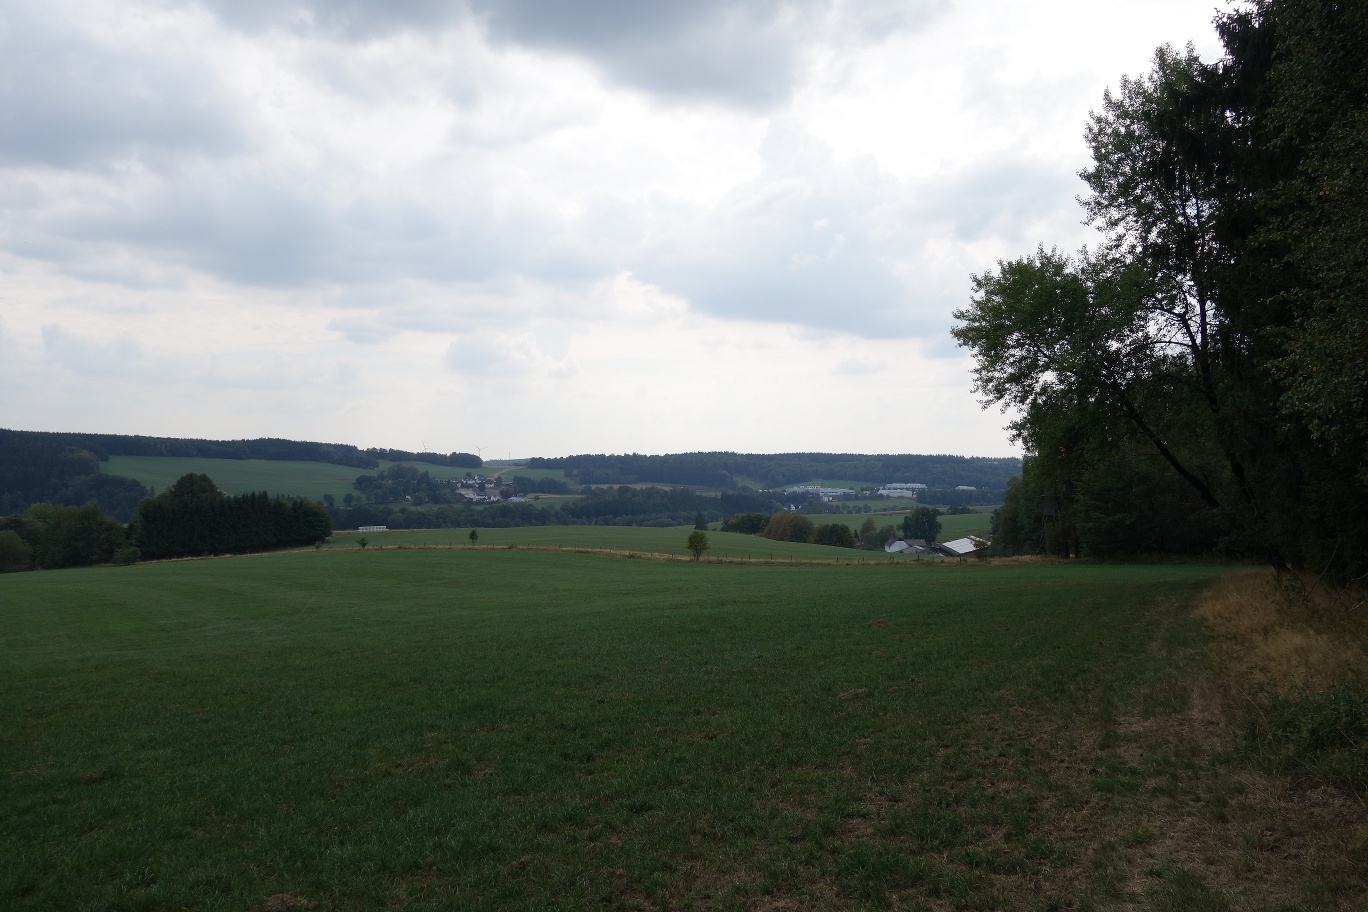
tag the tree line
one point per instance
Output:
(106, 445)
(193, 517)
(190, 518)
(35, 470)
(783, 525)
(1198, 381)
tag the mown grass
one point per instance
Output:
(510, 729)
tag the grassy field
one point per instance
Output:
(506, 729)
(952, 525)
(617, 538)
(508, 471)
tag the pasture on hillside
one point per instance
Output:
(512, 729)
(240, 476)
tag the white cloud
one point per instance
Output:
(735, 224)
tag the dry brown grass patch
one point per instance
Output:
(1287, 638)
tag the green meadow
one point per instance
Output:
(631, 539)
(530, 730)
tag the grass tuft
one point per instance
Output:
(1295, 663)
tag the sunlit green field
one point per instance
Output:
(516, 729)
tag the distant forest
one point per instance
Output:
(730, 471)
(64, 469)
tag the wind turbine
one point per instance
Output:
(479, 451)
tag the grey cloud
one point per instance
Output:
(347, 19)
(739, 53)
(847, 246)
(476, 354)
(742, 53)
(858, 367)
(125, 358)
(362, 331)
(1001, 201)
(70, 97)
(268, 224)
(794, 245)
(91, 358)
(498, 356)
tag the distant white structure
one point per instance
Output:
(901, 489)
(818, 490)
(902, 546)
(965, 488)
(960, 547)
(372, 528)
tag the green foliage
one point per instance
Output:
(15, 553)
(70, 536)
(1318, 739)
(103, 446)
(697, 544)
(837, 535)
(192, 517)
(746, 523)
(541, 485)
(362, 542)
(700, 521)
(923, 523)
(869, 534)
(786, 526)
(1216, 335)
(474, 536)
(1313, 139)
(128, 554)
(44, 468)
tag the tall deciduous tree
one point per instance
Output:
(1223, 321)
(923, 523)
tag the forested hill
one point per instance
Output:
(105, 445)
(730, 470)
(59, 468)
(64, 469)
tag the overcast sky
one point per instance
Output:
(535, 226)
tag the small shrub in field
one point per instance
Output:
(363, 541)
(698, 543)
(128, 554)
